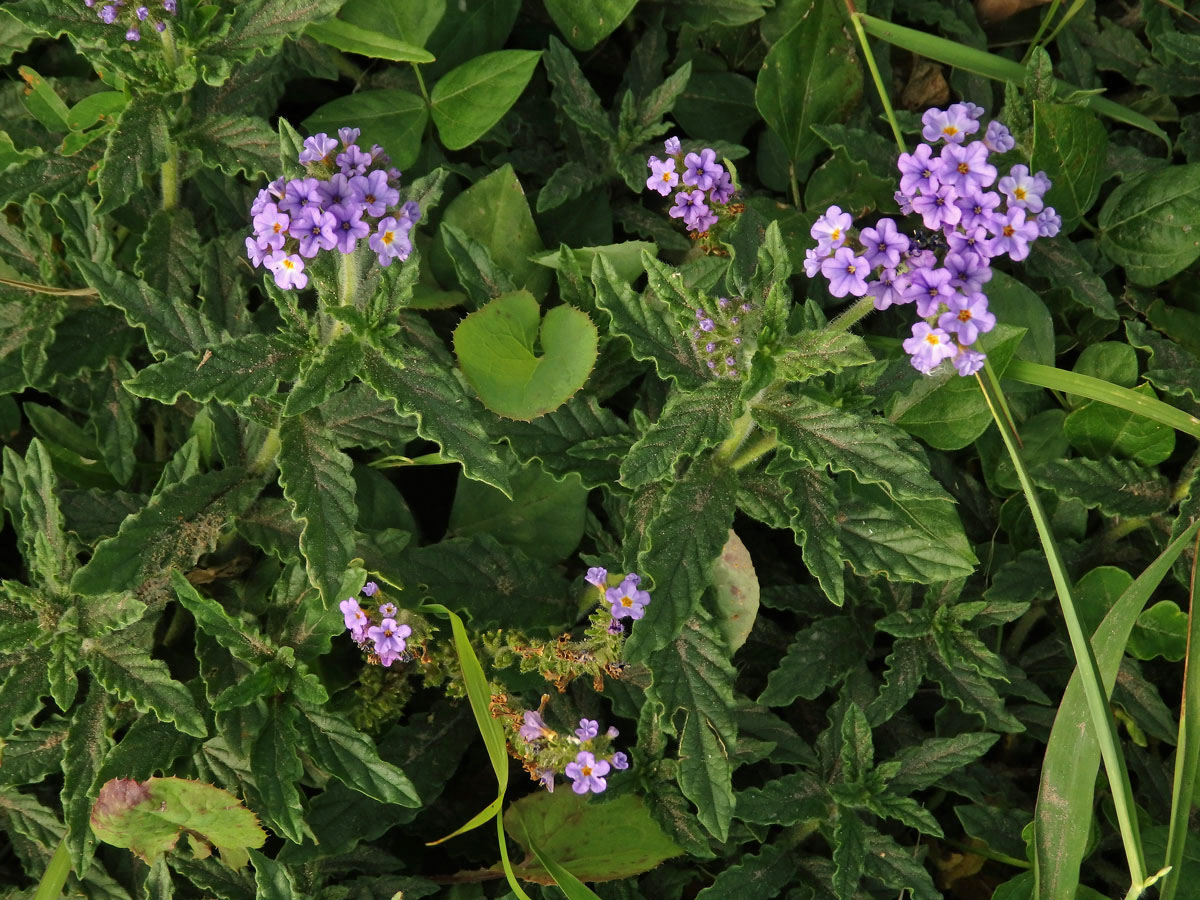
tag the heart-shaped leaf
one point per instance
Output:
(498, 346)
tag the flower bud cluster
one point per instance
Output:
(384, 642)
(347, 194)
(718, 335)
(943, 267)
(586, 756)
(712, 188)
(133, 15)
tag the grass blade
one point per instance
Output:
(1062, 817)
(1187, 749)
(991, 66)
(571, 886)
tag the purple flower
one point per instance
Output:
(612, 732)
(627, 600)
(256, 253)
(663, 176)
(271, 226)
(353, 160)
(977, 207)
(903, 202)
(1048, 222)
(1021, 189)
(288, 270)
(547, 779)
(299, 194)
(1041, 182)
(133, 34)
(108, 14)
(928, 347)
(689, 206)
(387, 610)
(356, 620)
(938, 209)
(615, 627)
(597, 576)
(160, 27)
(317, 148)
(998, 138)
(967, 318)
(348, 136)
(169, 6)
(704, 221)
(370, 589)
(390, 240)
(315, 231)
(890, 288)
(620, 761)
(918, 171)
(339, 191)
(141, 12)
(930, 288)
(723, 190)
(883, 244)
(847, 273)
(968, 361)
(968, 271)
(534, 728)
(588, 729)
(952, 126)
(1013, 235)
(967, 168)
(971, 240)
(350, 230)
(389, 638)
(701, 170)
(812, 262)
(974, 110)
(829, 231)
(587, 773)
(672, 146)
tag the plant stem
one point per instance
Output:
(875, 76)
(170, 176)
(795, 185)
(755, 451)
(738, 432)
(56, 873)
(168, 45)
(267, 452)
(851, 316)
(1085, 659)
(1037, 36)
(421, 84)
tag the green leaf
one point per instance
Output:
(819, 656)
(735, 592)
(324, 373)
(392, 118)
(1160, 630)
(875, 451)
(1171, 368)
(690, 422)
(1058, 260)
(685, 533)
(586, 26)
(789, 800)
(625, 257)
(477, 272)
(1069, 144)
(849, 854)
(40, 99)
(272, 879)
(593, 841)
(181, 522)
(408, 22)
(233, 371)
(146, 747)
(316, 480)
(899, 868)
(810, 77)
(169, 256)
(32, 754)
(1115, 487)
(1098, 429)
(149, 817)
(494, 212)
(277, 770)
(259, 26)
(418, 377)
(468, 100)
(233, 144)
(573, 95)
(1145, 224)
(693, 674)
(818, 352)
(22, 690)
(126, 669)
(579, 437)
(50, 553)
(761, 876)
(648, 323)
(86, 743)
(922, 765)
(366, 42)
(137, 147)
(495, 347)
(232, 634)
(351, 757)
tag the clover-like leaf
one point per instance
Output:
(498, 346)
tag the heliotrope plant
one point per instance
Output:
(703, 188)
(347, 194)
(134, 16)
(586, 756)
(943, 266)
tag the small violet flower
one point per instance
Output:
(597, 576)
(588, 729)
(627, 601)
(663, 176)
(587, 773)
(534, 728)
(928, 347)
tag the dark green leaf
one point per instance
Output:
(762, 876)
(277, 769)
(690, 423)
(352, 758)
(789, 800)
(573, 95)
(324, 373)
(137, 147)
(1069, 144)
(921, 766)
(392, 118)
(233, 144)
(86, 744)
(816, 660)
(1145, 224)
(470, 99)
(232, 371)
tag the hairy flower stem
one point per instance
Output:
(170, 177)
(56, 873)
(754, 452)
(875, 76)
(348, 277)
(850, 317)
(267, 451)
(739, 431)
(1085, 659)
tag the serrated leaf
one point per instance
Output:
(558, 440)
(181, 522)
(761, 876)
(495, 347)
(690, 422)
(22, 690)
(849, 854)
(50, 552)
(233, 144)
(137, 147)
(1161, 630)
(149, 817)
(316, 480)
(1116, 487)
(324, 373)
(272, 879)
(813, 353)
(573, 95)
(147, 746)
(468, 100)
(789, 800)
(359, 417)
(114, 422)
(658, 103)
(48, 177)
(211, 618)
(32, 754)
(817, 659)
(233, 371)
(1172, 368)
(417, 376)
(693, 674)
(259, 26)
(86, 743)
(277, 770)
(897, 867)
(686, 532)
(874, 450)
(352, 758)
(974, 693)
(126, 669)
(922, 765)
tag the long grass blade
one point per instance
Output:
(1063, 815)
(1187, 749)
(571, 886)
(992, 66)
(1099, 389)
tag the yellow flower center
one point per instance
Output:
(587, 771)
(1020, 193)
(1008, 231)
(963, 168)
(933, 340)
(837, 233)
(950, 130)
(277, 227)
(964, 316)
(850, 269)
(666, 176)
(627, 601)
(388, 237)
(288, 264)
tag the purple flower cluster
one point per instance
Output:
(625, 601)
(945, 268)
(386, 638)
(133, 16)
(717, 336)
(353, 198)
(711, 187)
(587, 771)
